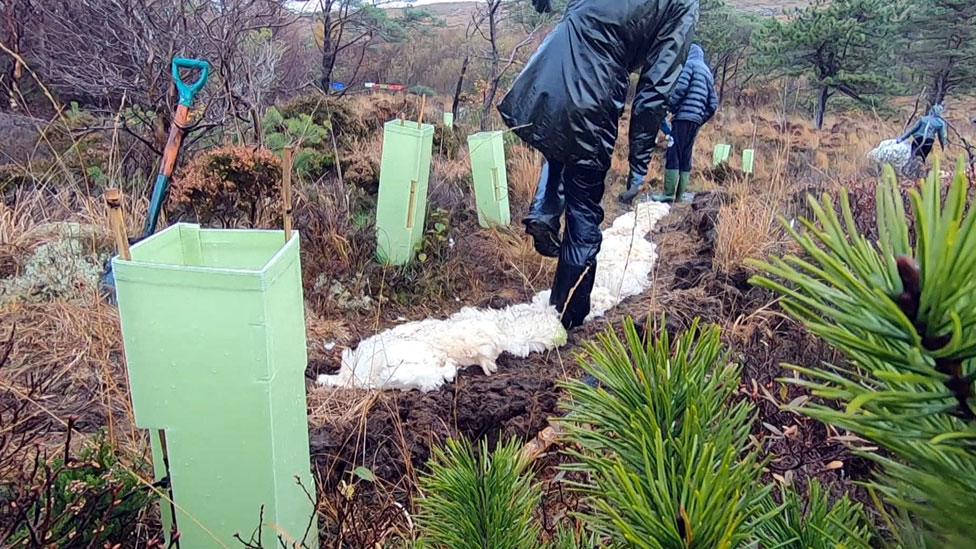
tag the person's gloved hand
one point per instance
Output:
(670, 141)
(542, 6)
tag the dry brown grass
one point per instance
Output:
(746, 229)
(748, 225)
(524, 167)
(516, 255)
(360, 162)
(77, 348)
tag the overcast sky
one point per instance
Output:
(422, 2)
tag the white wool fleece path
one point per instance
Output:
(426, 354)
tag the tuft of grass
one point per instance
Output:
(747, 228)
(479, 499)
(523, 173)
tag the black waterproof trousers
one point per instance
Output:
(549, 203)
(577, 192)
(922, 147)
(576, 270)
(680, 154)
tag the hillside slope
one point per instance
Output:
(460, 12)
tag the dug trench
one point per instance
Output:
(391, 434)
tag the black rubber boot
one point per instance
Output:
(634, 185)
(576, 271)
(545, 239)
(571, 292)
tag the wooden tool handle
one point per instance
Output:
(286, 169)
(423, 107)
(113, 199)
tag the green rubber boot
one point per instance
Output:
(670, 187)
(683, 181)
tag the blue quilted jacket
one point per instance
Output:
(694, 98)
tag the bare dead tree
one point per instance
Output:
(99, 51)
(346, 25)
(487, 22)
(456, 103)
(259, 77)
(238, 36)
(15, 16)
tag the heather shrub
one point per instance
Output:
(230, 186)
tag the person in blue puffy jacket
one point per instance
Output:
(693, 103)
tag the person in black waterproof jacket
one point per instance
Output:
(567, 103)
(693, 103)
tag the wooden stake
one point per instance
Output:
(286, 169)
(423, 107)
(113, 199)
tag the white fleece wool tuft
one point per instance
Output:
(426, 354)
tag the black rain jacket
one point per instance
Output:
(568, 100)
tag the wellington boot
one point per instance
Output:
(629, 195)
(683, 180)
(544, 236)
(634, 185)
(671, 178)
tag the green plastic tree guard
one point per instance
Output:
(214, 328)
(449, 120)
(401, 206)
(748, 161)
(487, 152)
(722, 153)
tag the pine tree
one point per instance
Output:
(477, 499)
(663, 457)
(722, 31)
(941, 45)
(664, 445)
(841, 46)
(903, 312)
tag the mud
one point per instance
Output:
(401, 426)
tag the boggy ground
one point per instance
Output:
(700, 273)
(392, 433)
(64, 362)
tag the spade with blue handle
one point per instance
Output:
(177, 131)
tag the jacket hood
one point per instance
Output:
(937, 110)
(696, 52)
